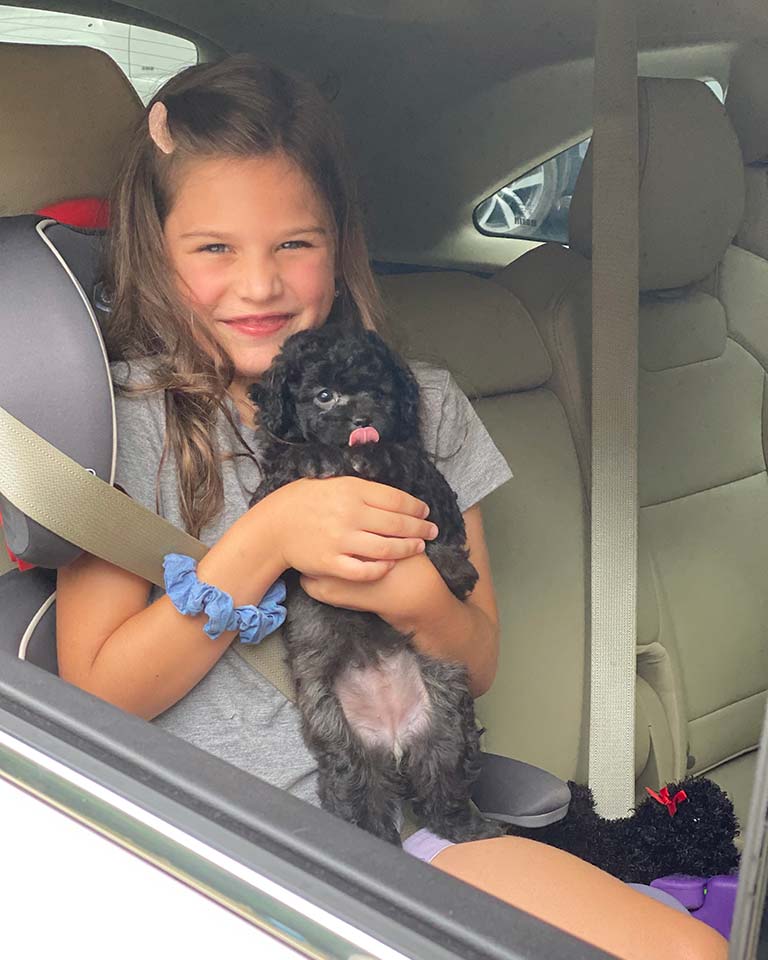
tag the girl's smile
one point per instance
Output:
(258, 326)
(253, 249)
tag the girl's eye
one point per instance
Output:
(214, 248)
(294, 245)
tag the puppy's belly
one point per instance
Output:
(386, 705)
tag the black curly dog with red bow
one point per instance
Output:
(687, 827)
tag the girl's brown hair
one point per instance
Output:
(236, 108)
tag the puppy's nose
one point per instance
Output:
(361, 421)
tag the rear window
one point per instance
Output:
(147, 57)
(536, 205)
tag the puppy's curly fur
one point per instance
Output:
(322, 385)
(697, 840)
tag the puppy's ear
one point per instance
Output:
(257, 394)
(344, 317)
(272, 396)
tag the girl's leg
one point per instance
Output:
(577, 897)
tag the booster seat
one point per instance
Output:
(46, 272)
(67, 113)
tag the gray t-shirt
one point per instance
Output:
(233, 712)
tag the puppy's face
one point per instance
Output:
(339, 389)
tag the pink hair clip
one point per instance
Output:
(158, 127)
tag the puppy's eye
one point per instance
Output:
(325, 398)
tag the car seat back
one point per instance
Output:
(67, 117)
(703, 483)
(747, 106)
(535, 524)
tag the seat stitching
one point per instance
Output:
(698, 493)
(727, 706)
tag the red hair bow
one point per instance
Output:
(664, 798)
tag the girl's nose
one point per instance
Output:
(259, 279)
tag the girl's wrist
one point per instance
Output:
(245, 561)
(265, 522)
(433, 602)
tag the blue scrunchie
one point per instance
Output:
(191, 596)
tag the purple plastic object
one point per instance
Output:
(711, 901)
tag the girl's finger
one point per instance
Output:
(351, 568)
(396, 501)
(388, 524)
(312, 586)
(383, 548)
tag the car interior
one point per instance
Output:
(445, 105)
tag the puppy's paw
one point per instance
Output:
(320, 464)
(372, 461)
(454, 566)
(476, 827)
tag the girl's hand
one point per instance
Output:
(346, 527)
(410, 593)
(416, 601)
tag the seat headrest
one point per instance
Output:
(473, 327)
(691, 185)
(747, 101)
(67, 114)
(747, 106)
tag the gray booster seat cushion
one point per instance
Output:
(54, 378)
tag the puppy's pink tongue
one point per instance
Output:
(363, 435)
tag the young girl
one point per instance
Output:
(234, 226)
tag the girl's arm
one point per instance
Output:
(466, 632)
(414, 598)
(145, 658)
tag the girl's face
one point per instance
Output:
(253, 248)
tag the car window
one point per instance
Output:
(147, 57)
(535, 206)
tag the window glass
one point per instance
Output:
(147, 57)
(717, 88)
(535, 206)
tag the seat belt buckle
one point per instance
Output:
(22, 565)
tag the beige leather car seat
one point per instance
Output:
(703, 571)
(535, 523)
(66, 114)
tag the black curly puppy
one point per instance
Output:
(696, 839)
(384, 721)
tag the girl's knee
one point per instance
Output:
(577, 897)
(698, 941)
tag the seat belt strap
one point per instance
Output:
(614, 409)
(56, 492)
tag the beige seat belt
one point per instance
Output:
(614, 409)
(60, 495)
